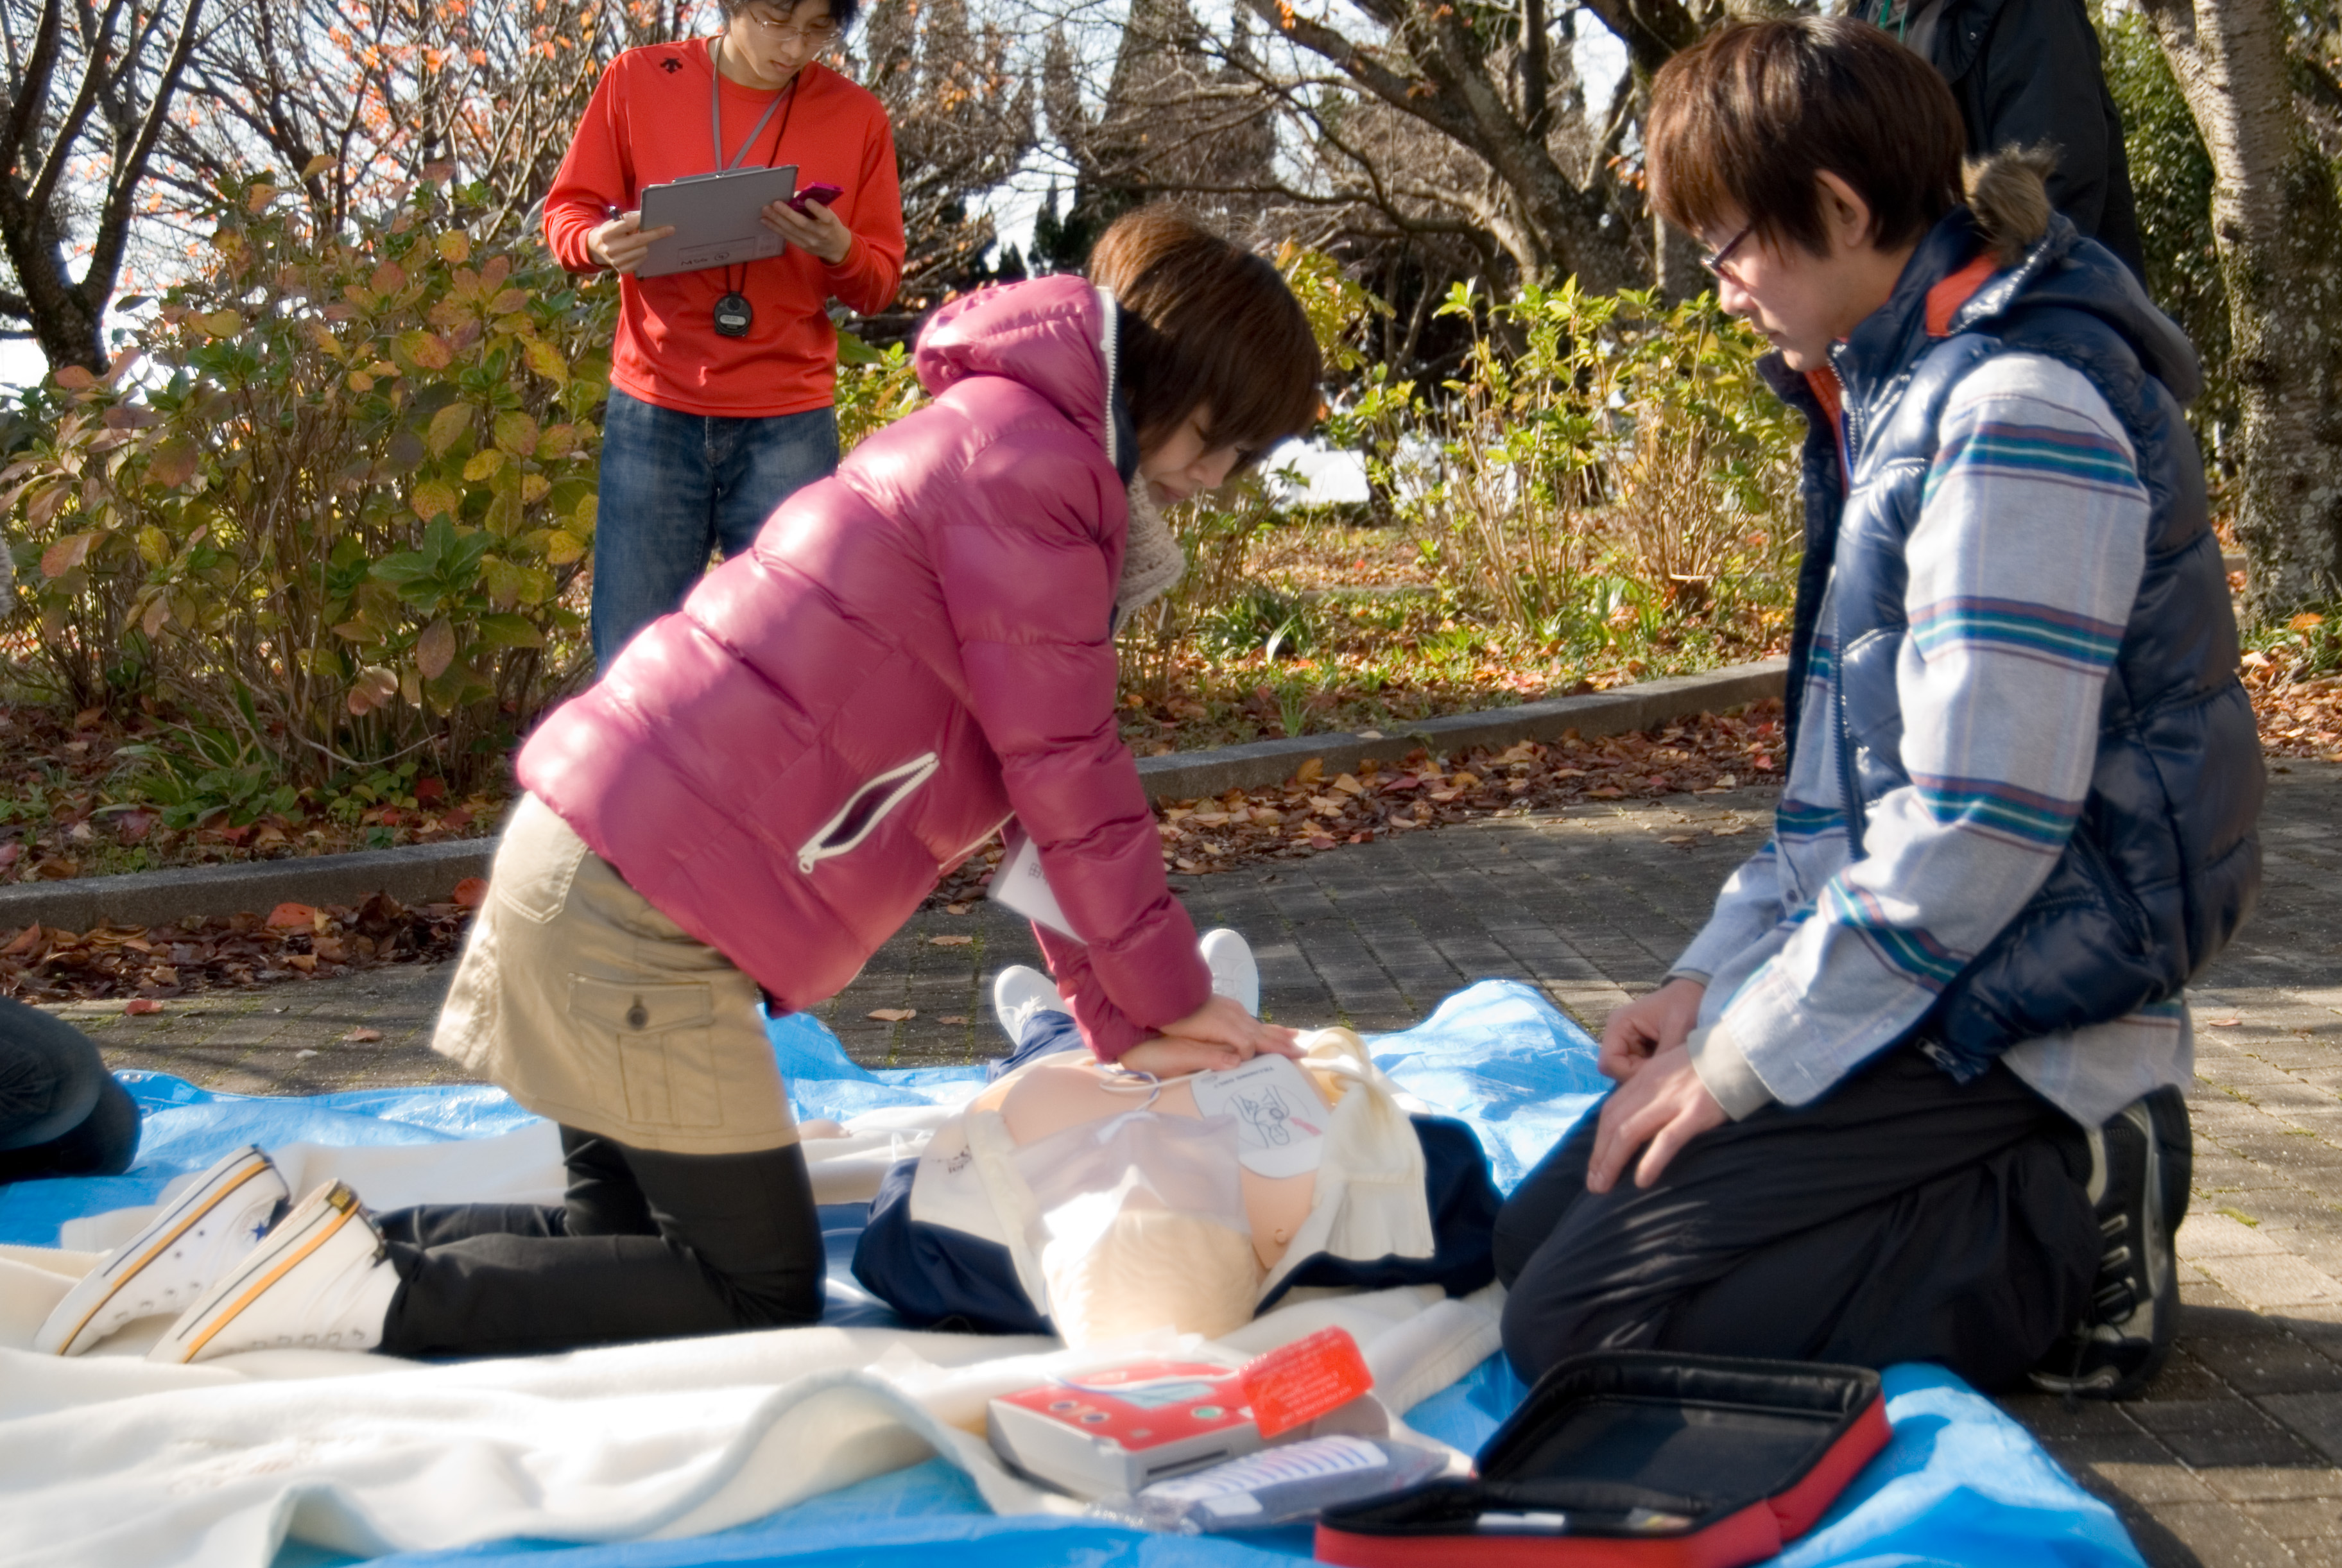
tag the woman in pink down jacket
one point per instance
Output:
(764, 786)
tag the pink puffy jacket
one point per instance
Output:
(915, 650)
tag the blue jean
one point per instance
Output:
(676, 486)
(1047, 1033)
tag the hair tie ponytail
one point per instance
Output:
(2009, 192)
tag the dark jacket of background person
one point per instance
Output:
(2025, 72)
(2165, 863)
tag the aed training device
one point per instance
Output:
(1122, 1429)
(717, 219)
(822, 192)
(1635, 1459)
(1126, 1428)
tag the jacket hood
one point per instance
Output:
(2061, 271)
(1052, 334)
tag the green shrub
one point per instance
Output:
(1601, 463)
(334, 502)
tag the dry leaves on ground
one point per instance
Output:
(1311, 812)
(2297, 718)
(295, 941)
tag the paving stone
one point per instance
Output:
(2194, 1534)
(2135, 1465)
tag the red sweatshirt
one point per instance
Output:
(648, 124)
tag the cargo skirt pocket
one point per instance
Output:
(658, 1066)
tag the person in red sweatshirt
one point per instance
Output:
(723, 382)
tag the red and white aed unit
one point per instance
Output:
(1126, 1427)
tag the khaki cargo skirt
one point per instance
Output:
(593, 1009)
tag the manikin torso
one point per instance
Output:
(1071, 1088)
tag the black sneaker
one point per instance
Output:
(2139, 1168)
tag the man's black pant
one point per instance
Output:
(61, 1112)
(648, 1245)
(1903, 1217)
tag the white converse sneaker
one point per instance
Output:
(1234, 974)
(322, 1279)
(1018, 992)
(165, 1266)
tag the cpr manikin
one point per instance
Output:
(1152, 1241)
(1099, 1203)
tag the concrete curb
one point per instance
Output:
(421, 874)
(417, 874)
(1186, 776)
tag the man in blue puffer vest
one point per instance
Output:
(1914, 1092)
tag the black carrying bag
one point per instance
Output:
(1635, 1459)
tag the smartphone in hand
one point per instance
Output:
(825, 194)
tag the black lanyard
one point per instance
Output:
(733, 314)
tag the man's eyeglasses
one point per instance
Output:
(1714, 260)
(820, 30)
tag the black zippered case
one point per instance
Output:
(1635, 1459)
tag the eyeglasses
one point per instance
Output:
(820, 30)
(1714, 260)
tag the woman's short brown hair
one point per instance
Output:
(1205, 324)
(1743, 121)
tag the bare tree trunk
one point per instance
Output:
(2279, 230)
(1676, 258)
(129, 68)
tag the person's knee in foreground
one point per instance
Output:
(765, 784)
(1914, 1092)
(61, 1112)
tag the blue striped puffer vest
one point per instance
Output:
(2164, 866)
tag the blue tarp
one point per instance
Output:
(1960, 1483)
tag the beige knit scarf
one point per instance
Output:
(1152, 560)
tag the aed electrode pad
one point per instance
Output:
(1280, 1115)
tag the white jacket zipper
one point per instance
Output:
(896, 784)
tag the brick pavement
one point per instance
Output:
(2230, 1459)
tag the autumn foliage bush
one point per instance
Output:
(331, 502)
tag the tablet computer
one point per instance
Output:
(714, 218)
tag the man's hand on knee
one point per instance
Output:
(1657, 1022)
(1663, 1105)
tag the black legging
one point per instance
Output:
(648, 1245)
(61, 1112)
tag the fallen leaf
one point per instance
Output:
(1677, 838)
(956, 908)
(2224, 1023)
(472, 892)
(363, 1036)
(892, 1014)
(292, 917)
(139, 1006)
(949, 941)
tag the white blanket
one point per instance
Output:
(110, 1462)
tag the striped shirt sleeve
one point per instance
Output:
(2023, 566)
